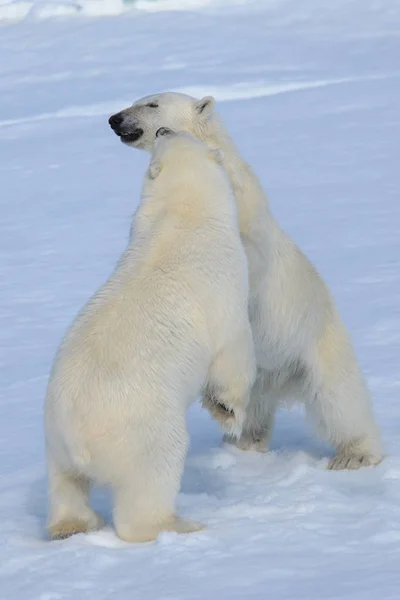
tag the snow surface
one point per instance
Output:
(310, 90)
(12, 11)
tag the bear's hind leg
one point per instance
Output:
(340, 406)
(347, 423)
(70, 512)
(140, 517)
(145, 495)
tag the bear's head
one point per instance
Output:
(176, 150)
(137, 125)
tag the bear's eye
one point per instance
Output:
(152, 105)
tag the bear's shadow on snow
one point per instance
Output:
(294, 434)
(291, 436)
(37, 504)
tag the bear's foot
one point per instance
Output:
(362, 452)
(67, 527)
(248, 443)
(180, 525)
(231, 421)
(350, 461)
(142, 533)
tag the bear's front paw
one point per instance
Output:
(230, 420)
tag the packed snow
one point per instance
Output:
(310, 91)
(17, 10)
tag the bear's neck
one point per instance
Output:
(251, 200)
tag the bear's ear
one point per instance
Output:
(205, 106)
(217, 155)
(155, 169)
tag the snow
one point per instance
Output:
(310, 91)
(12, 11)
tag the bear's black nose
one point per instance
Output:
(116, 120)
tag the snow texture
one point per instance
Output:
(310, 90)
(12, 11)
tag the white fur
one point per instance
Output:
(303, 349)
(171, 321)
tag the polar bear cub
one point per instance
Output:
(170, 322)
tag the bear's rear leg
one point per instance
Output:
(145, 496)
(143, 509)
(342, 412)
(70, 512)
(145, 527)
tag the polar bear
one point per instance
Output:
(302, 346)
(170, 322)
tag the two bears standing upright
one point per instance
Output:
(173, 321)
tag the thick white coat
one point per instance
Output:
(302, 346)
(170, 322)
